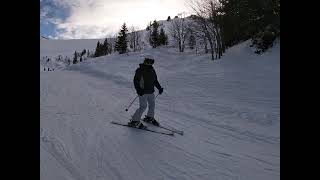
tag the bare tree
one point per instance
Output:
(134, 39)
(147, 37)
(112, 38)
(208, 19)
(179, 30)
(201, 38)
(138, 40)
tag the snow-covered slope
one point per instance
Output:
(228, 109)
(66, 47)
(51, 49)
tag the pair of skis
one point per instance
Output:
(171, 133)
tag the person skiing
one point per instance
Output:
(145, 79)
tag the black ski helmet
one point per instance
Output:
(148, 60)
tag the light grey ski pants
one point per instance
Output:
(143, 101)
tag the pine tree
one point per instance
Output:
(245, 19)
(121, 44)
(88, 53)
(149, 26)
(105, 47)
(154, 38)
(97, 52)
(83, 52)
(75, 58)
(110, 48)
(163, 38)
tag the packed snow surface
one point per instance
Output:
(229, 110)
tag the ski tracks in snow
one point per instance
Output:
(58, 150)
(214, 145)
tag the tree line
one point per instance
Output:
(214, 26)
(225, 23)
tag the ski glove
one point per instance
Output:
(140, 92)
(160, 90)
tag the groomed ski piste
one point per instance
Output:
(229, 110)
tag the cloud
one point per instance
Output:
(52, 11)
(66, 31)
(98, 18)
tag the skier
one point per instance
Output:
(144, 80)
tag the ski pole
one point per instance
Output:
(131, 103)
(156, 96)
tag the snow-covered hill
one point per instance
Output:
(51, 47)
(229, 110)
(66, 47)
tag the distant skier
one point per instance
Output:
(145, 79)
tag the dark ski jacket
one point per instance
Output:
(145, 79)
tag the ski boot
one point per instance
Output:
(137, 124)
(151, 120)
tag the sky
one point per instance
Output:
(93, 19)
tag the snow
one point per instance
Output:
(66, 47)
(51, 48)
(229, 110)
